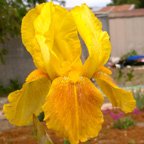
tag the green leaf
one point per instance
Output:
(40, 132)
(66, 141)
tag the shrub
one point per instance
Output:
(124, 123)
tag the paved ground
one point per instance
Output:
(4, 124)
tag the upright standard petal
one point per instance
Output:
(119, 97)
(50, 35)
(73, 109)
(29, 39)
(27, 101)
(96, 40)
(62, 41)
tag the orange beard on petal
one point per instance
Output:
(72, 109)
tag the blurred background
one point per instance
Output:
(122, 19)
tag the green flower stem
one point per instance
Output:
(66, 141)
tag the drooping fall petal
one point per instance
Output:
(27, 101)
(54, 38)
(97, 41)
(35, 75)
(72, 109)
(118, 96)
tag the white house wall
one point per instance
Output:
(127, 34)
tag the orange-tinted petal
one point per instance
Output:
(35, 75)
(72, 109)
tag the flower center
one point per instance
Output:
(74, 75)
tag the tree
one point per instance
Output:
(138, 3)
(11, 14)
(61, 2)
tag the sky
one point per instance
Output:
(91, 3)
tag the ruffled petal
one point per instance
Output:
(35, 75)
(96, 40)
(27, 101)
(29, 39)
(55, 37)
(73, 109)
(119, 97)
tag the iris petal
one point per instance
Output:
(97, 41)
(119, 97)
(28, 37)
(72, 109)
(27, 101)
(50, 35)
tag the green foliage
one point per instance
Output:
(130, 75)
(124, 123)
(126, 75)
(138, 3)
(11, 13)
(32, 3)
(13, 85)
(61, 2)
(3, 52)
(120, 74)
(40, 132)
(41, 116)
(88, 142)
(66, 141)
(130, 53)
(139, 97)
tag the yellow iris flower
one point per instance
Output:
(61, 85)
